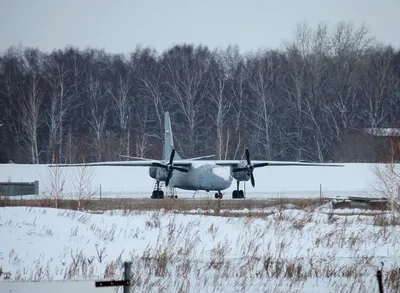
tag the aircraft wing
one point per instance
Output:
(144, 163)
(274, 163)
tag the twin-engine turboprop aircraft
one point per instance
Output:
(195, 173)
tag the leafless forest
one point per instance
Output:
(291, 103)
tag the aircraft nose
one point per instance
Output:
(224, 176)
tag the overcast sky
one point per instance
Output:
(119, 26)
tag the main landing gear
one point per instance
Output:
(157, 193)
(218, 195)
(171, 193)
(237, 193)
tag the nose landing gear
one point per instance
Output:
(218, 195)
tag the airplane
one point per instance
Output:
(195, 173)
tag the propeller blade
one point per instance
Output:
(257, 165)
(168, 178)
(252, 179)
(159, 165)
(181, 169)
(248, 156)
(171, 158)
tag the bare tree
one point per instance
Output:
(60, 78)
(307, 90)
(82, 182)
(377, 81)
(348, 45)
(221, 102)
(143, 136)
(11, 86)
(239, 97)
(98, 115)
(317, 104)
(120, 91)
(187, 68)
(31, 102)
(295, 88)
(53, 184)
(75, 120)
(71, 147)
(263, 83)
(387, 176)
(12, 67)
(150, 88)
(97, 100)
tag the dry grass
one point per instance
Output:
(393, 278)
(179, 205)
(383, 220)
(211, 207)
(231, 214)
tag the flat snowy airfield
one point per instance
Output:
(135, 182)
(316, 249)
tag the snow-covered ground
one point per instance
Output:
(350, 180)
(274, 250)
(292, 250)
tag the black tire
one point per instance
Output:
(157, 194)
(241, 194)
(161, 194)
(234, 194)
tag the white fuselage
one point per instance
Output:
(202, 177)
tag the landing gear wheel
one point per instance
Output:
(218, 195)
(237, 194)
(234, 194)
(157, 194)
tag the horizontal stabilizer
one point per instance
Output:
(147, 159)
(200, 158)
(134, 158)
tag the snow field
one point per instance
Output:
(309, 250)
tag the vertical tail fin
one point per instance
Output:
(168, 138)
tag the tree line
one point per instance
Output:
(293, 103)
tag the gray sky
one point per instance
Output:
(118, 26)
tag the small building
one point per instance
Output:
(369, 145)
(386, 143)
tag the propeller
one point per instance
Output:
(250, 167)
(170, 167)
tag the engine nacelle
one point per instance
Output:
(160, 174)
(240, 175)
(153, 172)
